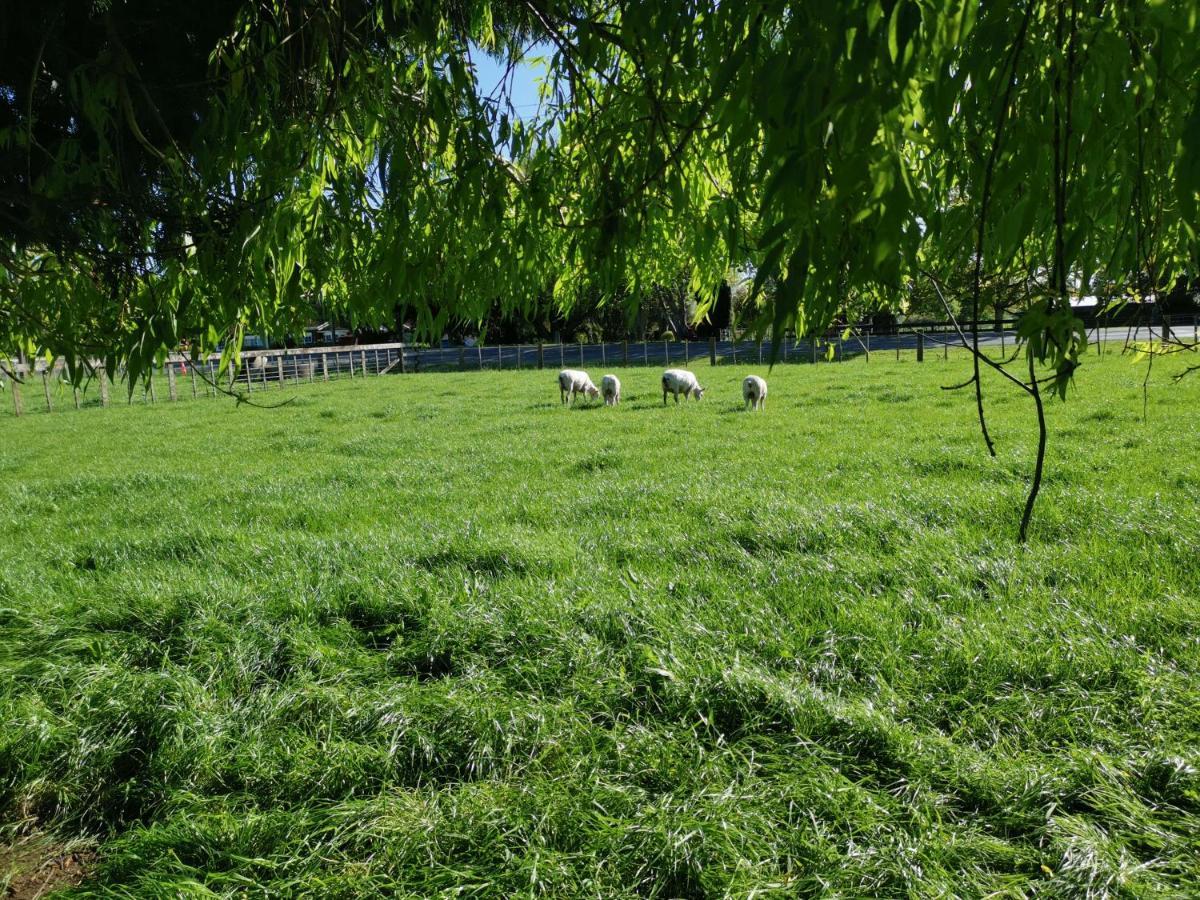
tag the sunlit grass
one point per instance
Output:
(437, 634)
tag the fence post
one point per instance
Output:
(279, 366)
(625, 354)
(18, 406)
(46, 390)
(920, 346)
(249, 380)
(403, 363)
(541, 355)
(362, 359)
(712, 351)
(324, 366)
(192, 375)
(172, 391)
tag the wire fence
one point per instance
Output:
(44, 386)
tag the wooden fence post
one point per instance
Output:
(712, 351)
(249, 380)
(46, 389)
(171, 389)
(351, 357)
(541, 355)
(920, 346)
(324, 366)
(403, 363)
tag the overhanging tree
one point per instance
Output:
(170, 174)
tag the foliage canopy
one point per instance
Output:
(172, 173)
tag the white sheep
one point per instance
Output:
(572, 382)
(680, 381)
(754, 392)
(610, 387)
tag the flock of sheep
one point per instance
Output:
(674, 381)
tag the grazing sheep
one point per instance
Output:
(610, 387)
(680, 381)
(754, 392)
(572, 382)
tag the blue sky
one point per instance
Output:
(523, 88)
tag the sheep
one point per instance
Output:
(680, 381)
(754, 392)
(572, 382)
(610, 387)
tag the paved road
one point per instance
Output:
(677, 353)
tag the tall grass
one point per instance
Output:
(438, 635)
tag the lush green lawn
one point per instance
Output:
(436, 634)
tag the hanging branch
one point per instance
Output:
(985, 200)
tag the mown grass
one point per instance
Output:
(437, 635)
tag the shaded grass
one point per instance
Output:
(435, 634)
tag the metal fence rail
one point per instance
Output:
(267, 370)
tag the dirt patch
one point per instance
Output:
(35, 866)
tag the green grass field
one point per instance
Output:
(435, 635)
